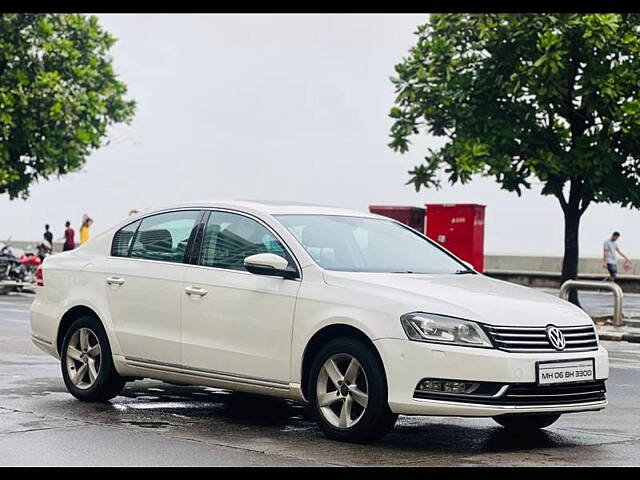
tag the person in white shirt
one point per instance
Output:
(609, 257)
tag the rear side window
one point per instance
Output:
(165, 236)
(122, 240)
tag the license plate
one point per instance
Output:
(570, 371)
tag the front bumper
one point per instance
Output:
(407, 362)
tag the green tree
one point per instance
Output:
(58, 96)
(519, 96)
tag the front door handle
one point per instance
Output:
(115, 281)
(200, 292)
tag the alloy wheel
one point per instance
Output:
(342, 391)
(83, 358)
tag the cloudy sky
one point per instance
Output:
(285, 107)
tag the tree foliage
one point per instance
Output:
(58, 95)
(522, 95)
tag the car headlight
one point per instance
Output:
(430, 327)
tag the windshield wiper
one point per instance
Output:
(465, 271)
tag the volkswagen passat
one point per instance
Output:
(356, 314)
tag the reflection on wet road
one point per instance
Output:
(155, 423)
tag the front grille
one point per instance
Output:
(534, 339)
(523, 394)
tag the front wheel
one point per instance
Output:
(525, 423)
(348, 392)
(87, 365)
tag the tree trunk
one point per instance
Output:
(571, 249)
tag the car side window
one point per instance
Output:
(229, 238)
(122, 240)
(165, 236)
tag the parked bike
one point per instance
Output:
(30, 261)
(14, 274)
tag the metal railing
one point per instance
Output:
(593, 285)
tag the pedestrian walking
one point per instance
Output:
(84, 229)
(69, 237)
(610, 257)
(48, 236)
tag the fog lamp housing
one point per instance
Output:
(462, 390)
(447, 386)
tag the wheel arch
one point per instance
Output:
(327, 333)
(69, 316)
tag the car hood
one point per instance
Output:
(472, 296)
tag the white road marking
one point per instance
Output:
(622, 359)
(624, 367)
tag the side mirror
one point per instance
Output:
(269, 264)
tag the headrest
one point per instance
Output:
(244, 230)
(159, 240)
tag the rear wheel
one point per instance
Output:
(348, 392)
(87, 364)
(526, 422)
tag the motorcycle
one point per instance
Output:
(30, 261)
(16, 270)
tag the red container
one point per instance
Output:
(411, 216)
(459, 227)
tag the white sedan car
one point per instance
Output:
(356, 314)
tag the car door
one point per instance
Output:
(143, 281)
(235, 322)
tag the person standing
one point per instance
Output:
(69, 234)
(609, 257)
(48, 236)
(84, 229)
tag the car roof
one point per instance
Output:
(270, 207)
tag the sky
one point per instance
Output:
(280, 107)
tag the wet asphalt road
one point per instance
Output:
(153, 423)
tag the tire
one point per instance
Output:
(99, 381)
(366, 423)
(525, 423)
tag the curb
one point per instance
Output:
(620, 336)
(612, 336)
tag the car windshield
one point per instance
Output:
(359, 244)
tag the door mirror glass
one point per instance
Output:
(268, 264)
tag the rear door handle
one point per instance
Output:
(200, 292)
(115, 281)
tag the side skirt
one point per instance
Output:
(138, 367)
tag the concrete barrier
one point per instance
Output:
(541, 271)
(550, 264)
(30, 245)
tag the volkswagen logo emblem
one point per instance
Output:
(556, 337)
